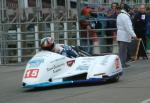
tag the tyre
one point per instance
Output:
(114, 79)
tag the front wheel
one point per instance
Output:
(115, 78)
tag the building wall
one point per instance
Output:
(126, 1)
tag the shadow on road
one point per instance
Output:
(67, 86)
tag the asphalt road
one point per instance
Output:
(133, 87)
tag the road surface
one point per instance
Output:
(133, 87)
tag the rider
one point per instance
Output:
(48, 43)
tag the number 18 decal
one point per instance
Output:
(32, 73)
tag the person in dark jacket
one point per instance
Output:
(111, 24)
(140, 21)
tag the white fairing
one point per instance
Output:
(51, 67)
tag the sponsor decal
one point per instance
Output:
(56, 68)
(70, 63)
(35, 62)
(49, 69)
(32, 73)
(117, 63)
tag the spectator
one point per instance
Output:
(132, 13)
(86, 11)
(140, 21)
(111, 23)
(109, 33)
(148, 12)
(88, 36)
(124, 33)
(114, 15)
(114, 6)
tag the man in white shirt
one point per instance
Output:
(125, 33)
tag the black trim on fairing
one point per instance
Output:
(50, 80)
(76, 77)
(23, 84)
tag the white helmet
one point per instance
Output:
(47, 43)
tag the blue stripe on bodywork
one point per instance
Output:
(91, 80)
(47, 84)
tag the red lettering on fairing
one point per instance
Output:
(32, 73)
(117, 63)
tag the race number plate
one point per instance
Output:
(32, 73)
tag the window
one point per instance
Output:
(61, 2)
(147, 1)
(105, 1)
(73, 4)
(12, 4)
(46, 3)
(32, 3)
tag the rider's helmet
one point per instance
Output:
(47, 43)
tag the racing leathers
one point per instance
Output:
(65, 50)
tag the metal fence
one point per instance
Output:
(22, 28)
(22, 42)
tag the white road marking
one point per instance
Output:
(146, 101)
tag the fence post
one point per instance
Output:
(78, 33)
(65, 33)
(78, 21)
(19, 44)
(0, 33)
(52, 29)
(36, 38)
(0, 48)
